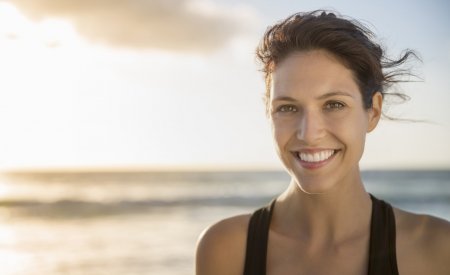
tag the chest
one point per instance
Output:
(292, 257)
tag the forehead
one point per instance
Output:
(311, 73)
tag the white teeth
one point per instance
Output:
(323, 155)
(316, 157)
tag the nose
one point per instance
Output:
(310, 127)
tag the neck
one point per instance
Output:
(336, 216)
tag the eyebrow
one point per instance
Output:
(330, 94)
(327, 95)
(284, 98)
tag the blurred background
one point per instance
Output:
(129, 126)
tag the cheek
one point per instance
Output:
(282, 132)
(351, 129)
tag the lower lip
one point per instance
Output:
(315, 165)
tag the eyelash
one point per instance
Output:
(329, 106)
(334, 105)
(286, 109)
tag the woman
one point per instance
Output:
(326, 81)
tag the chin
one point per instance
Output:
(312, 186)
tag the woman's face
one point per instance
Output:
(318, 120)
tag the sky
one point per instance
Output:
(167, 84)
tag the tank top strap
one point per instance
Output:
(257, 239)
(382, 248)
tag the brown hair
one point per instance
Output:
(347, 39)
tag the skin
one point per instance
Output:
(315, 105)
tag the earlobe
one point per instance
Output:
(375, 111)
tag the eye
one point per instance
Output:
(286, 109)
(334, 105)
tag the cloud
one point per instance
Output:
(177, 25)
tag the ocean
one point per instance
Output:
(148, 222)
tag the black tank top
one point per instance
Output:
(382, 256)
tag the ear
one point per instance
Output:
(375, 111)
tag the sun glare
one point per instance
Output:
(13, 260)
(12, 22)
(5, 189)
(48, 32)
(54, 31)
(38, 59)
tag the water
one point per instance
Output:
(148, 222)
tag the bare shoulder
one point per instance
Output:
(423, 243)
(221, 247)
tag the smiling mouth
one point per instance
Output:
(315, 157)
